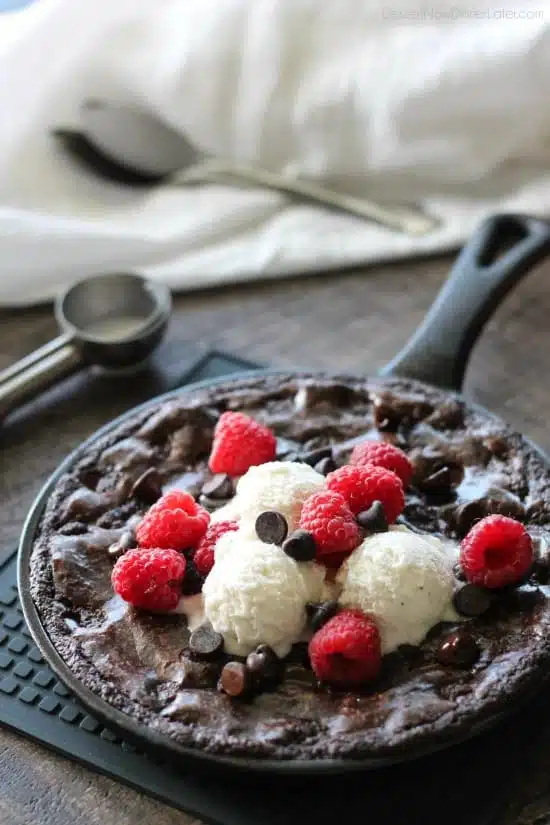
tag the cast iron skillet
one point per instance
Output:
(501, 251)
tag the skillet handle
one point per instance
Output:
(439, 350)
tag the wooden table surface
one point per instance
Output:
(340, 321)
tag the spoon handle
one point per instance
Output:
(36, 372)
(405, 219)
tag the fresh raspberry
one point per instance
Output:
(382, 454)
(346, 650)
(497, 551)
(204, 554)
(175, 521)
(240, 443)
(330, 521)
(361, 486)
(150, 579)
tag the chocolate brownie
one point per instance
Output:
(467, 464)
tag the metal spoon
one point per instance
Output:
(140, 143)
(113, 321)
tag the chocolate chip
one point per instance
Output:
(458, 573)
(325, 466)
(235, 680)
(497, 445)
(439, 481)
(192, 580)
(459, 649)
(385, 417)
(321, 613)
(151, 681)
(449, 415)
(374, 519)
(148, 487)
(300, 546)
(90, 478)
(503, 503)
(220, 486)
(211, 503)
(287, 450)
(541, 566)
(466, 515)
(300, 653)
(540, 572)
(315, 456)
(205, 643)
(74, 528)
(126, 542)
(271, 527)
(265, 668)
(472, 600)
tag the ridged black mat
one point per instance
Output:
(466, 785)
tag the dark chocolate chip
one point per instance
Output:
(211, 503)
(302, 654)
(192, 580)
(235, 680)
(441, 480)
(540, 572)
(205, 643)
(300, 546)
(503, 503)
(126, 542)
(265, 668)
(287, 450)
(385, 417)
(325, 466)
(219, 486)
(148, 487)
(374, 519)
(466, 515)
(90, 478)
(151, 681)
(448, 415)
(321, 613)
(472, 600)
(458, 573)
(271, 527)
(315, 456)
(459, 649)
(74, 528)
(497, 445)
(541, 566)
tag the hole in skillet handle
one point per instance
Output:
(501, 251)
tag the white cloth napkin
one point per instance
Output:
(441, 104)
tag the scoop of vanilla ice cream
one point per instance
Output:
(256, 594)
(276, 485)
(404, 581)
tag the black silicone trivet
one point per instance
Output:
(466, 785)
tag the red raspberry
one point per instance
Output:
(204, 554)
(330, 521)
(150, 579)
(382, 454)
(346, 650)
(361, 486)
(497, 551)
(240, 443)
(175, 521)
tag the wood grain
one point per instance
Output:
(352, 321)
